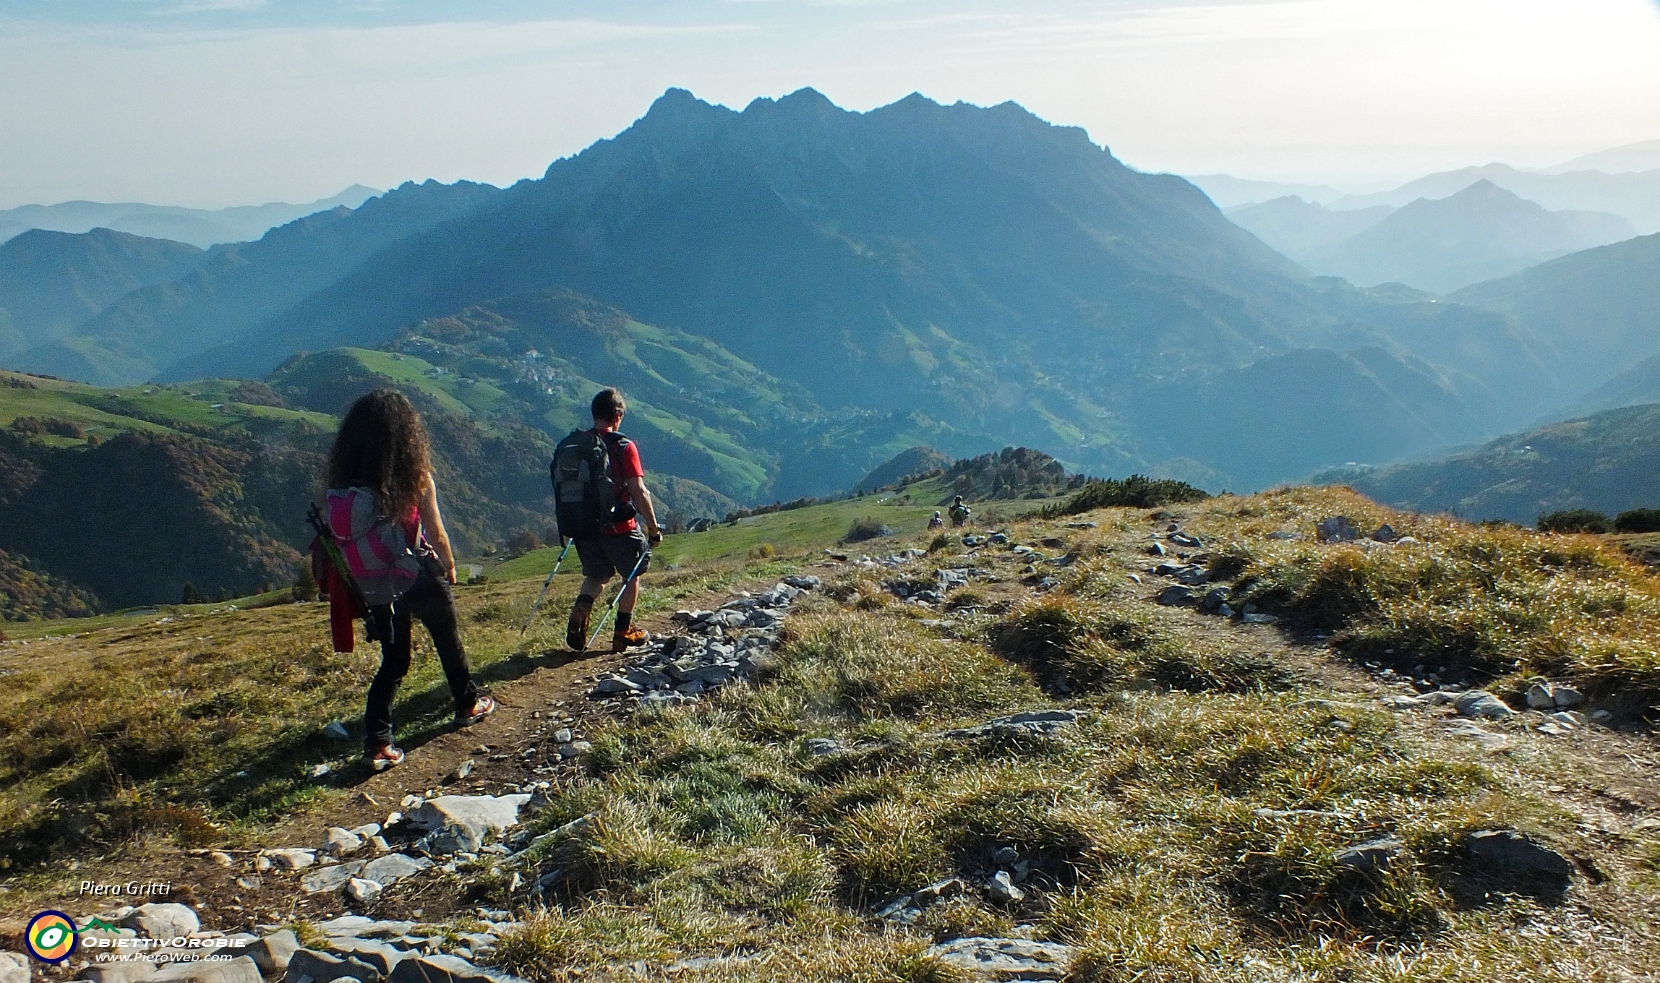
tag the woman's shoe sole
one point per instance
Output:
(475, 718)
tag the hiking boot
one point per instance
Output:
(387, 756)
(576, 629)
(483, 707)
(628, 638)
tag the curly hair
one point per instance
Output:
(382, 444)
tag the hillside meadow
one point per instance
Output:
(1187, 824)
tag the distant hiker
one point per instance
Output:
(959, 512)
(599, 487)
(936, 522)
(383, 513)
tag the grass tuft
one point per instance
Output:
(1077, 644)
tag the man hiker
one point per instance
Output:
(936, 522)
(615, 545)
(959, 512)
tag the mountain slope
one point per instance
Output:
(1253, 423)
(1633, 387)
(957, 276)
(866, 256)
(907, 463)
(1634, 196)
(1301, 229)
(239, 286)
(1480, 233)
(975, 266)
(1232, 192)
(1600, 308)
(51, 281)
(1608, 462)
(197, 226)
(698, 411)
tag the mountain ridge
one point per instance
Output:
(1606, 462)
(1479, 233)
(199, 227)
(52, 281)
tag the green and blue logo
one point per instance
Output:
(50, 936)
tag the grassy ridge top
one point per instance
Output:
(185, 407)
(1186, 827)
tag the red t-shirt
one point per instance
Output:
(625, 464)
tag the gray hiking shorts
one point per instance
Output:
(604, 557)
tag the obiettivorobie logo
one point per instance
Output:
(51, 936)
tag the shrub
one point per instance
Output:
(865, 528)
(764, 551)
(305, 585)
(1136, 491)
(939, 542)
(1638, 520)
(523, 541)
(38, 427)
(1576, 520)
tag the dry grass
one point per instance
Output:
(727, 843)
(1139, 826)
(1504, 602)
(189, 727)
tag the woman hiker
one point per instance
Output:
(383, 511)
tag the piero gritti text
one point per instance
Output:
(131, 889)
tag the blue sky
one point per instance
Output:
(217, 102)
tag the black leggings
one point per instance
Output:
(431, 601)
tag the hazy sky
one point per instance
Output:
(217, 102)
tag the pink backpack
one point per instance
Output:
(378, 550)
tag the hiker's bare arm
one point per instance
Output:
(432, 521)
(642, 501)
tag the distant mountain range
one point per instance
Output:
(1632, 196)
(1304, 229)
(52, 281)
(1228, 191)
(1633, 387)
(1607, 462)
(799, 292)
(237, 287)
(1632, 157)
(197, 226)
(1480, 233)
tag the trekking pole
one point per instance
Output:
(545, 585)
(631, 575)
